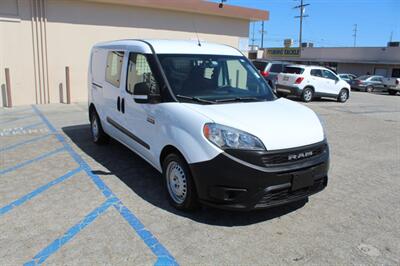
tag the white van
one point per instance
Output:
(202, 115)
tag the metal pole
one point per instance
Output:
(67, 85)
(355, 35)
(301, 23)
(262, 34)
(8, 85)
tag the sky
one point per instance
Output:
(330, 22)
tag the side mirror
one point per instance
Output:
(142, 94)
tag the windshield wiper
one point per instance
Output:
(196, 99)
(238, 99)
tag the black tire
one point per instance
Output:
(392, 92)
(343, 96)
(307, 95)
(98, 134)
(369, 89)
(182, 181)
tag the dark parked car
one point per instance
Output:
(269, 70)
(368, 83)
(347, 77)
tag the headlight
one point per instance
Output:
(231, 138)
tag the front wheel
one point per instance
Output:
(343, 96)
(179, 183)
(392, 92)
(307, 95)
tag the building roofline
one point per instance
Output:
(195, 6)
(333, 60)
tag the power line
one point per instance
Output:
(355, 34)
(301, 7)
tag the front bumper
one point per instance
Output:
(288, 90)
(254, 180)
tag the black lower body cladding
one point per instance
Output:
(243, 184)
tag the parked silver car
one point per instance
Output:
(368, 83)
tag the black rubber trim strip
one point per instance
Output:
(97, 85)
(128, 133)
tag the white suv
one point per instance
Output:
(308, 82)
(205, 118)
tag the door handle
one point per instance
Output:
(123, 105)
(119, 103)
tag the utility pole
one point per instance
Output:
(262, 31)
(301, 16)
(391, 36)
(355, 34)
(252, 38)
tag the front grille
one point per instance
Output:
(274, 159)
(282, 196)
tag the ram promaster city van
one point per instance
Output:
(202, 115)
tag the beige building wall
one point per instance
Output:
(45, 36)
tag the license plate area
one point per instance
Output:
(285, 78)
(302, 180)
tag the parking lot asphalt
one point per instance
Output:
(64, 200)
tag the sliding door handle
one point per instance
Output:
(123, 105)
(119, 103)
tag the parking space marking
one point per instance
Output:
(16, 145)
(41, 157)
(163, 255)
(73, 231)
(15, 119)
(38, 191)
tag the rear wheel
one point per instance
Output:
(179, 183)
(307, 95)
(392, 92)
(98, 134)
(343, 96)
(369, 89)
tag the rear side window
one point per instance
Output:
(293, 70)
(276, 68)
(260, 65)
(114, 66)
(377, 79)
(316, 72)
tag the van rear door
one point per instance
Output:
(113, 101)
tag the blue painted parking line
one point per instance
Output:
(163, 256)
(16, 145)
(41, 157)
(38, 191)
(73, 231)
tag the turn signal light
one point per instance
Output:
(299, 80)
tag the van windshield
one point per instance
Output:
(214, 79)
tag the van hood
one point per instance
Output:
(279, 124)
